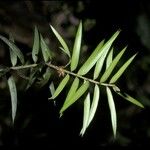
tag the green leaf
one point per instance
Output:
(45, 50)
(46, 77)
(112, 110)
(13, 94)
(61, 40)
(72, 90)
(85, 114)
(111, 67)
(122, 69)
(129, 98)
(109, 58)
(36, 45)
(76, 48)
(52, 88)
(61, 86)
(100, 63)
(97, 53)
(94, 104)
(14, 48)
(76, 96)
(13, 56)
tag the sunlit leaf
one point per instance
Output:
(76, 48)
(36, 45)
(13, 94)
(111, 67)
(112, 110)
(76, 96)
(13, 56)
(85, 114)
(97, 53)
(94, 104)
(45, 50)
(72, 90)
(14, 48)
(109, 58)
(61, 40)
(100, 63)
(52, 88)
(122, 69)
(61, 86)
(129, 98)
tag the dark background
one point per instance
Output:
(37, 122)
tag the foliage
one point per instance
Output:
(101, 57)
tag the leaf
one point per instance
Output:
(36, 45)
(13, 94)
(111, 67)
(112, 110)
(61, 86)
(52, 88)
(61, 40)
(129, 98)
(72, 90)
(109, 58)
(122, 69)
(45, 50)
(85, 114)
(76, 48)
(13, 56)
(14, 48)
(100, 63)
(76, 96)
(46, 77)
(97, 53)
(94, 104)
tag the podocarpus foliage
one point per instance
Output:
(101, 57)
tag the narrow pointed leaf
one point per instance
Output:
(100, 63)
(85, 114)
(121, 70)
(112, 110)
(94, 104)
(97, 53)
(13, 94)
(111, 67)
(72, 90)
(61, 40)
(13, 56)
(109, 58)
(14, 48)
(45, 50)
(36, 45)
(76, 96)
(76, 48)
(61, 86)
(130, 99)
(52, 88)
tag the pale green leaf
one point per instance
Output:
(72, 90)
(36, 45)
(94, 104)
(109, 58)
(14, 48)
(97, 53)
(13, 56)
(13, 94)
(76, 48)
(52, 88)
(45, 50)
(76, 96)
(111, 67)
(122, 69)
(85, 114)
(129, 98)
(61, 40)
(100, 63)
(61, 86)
(112, 110)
